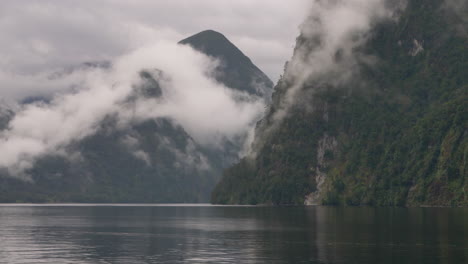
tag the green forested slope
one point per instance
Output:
(400, 139)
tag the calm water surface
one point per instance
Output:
(209, 234)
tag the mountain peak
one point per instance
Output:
(209, 33)
(239, 71)
(215, 44)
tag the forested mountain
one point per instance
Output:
(156, 160)
(394, 133)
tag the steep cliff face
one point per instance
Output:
(384, 123)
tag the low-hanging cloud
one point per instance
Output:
(207, 110)
(327, 54)
(330, 36)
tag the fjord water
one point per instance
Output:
(217, 234)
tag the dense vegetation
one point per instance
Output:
(398, 140)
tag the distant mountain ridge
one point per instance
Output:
(152, 161)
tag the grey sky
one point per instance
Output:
(41, 35)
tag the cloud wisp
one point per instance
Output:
(207, 110)
(327, 48)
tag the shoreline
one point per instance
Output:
(203, 205)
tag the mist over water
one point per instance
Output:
(212, 234)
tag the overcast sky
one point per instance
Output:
(40, 35)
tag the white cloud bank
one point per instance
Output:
(206, 109)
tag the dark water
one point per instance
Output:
(206, 234)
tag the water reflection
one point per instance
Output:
(205, 234)
(390, 235)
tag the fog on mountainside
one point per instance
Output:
(159, 121)
(371, 110)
